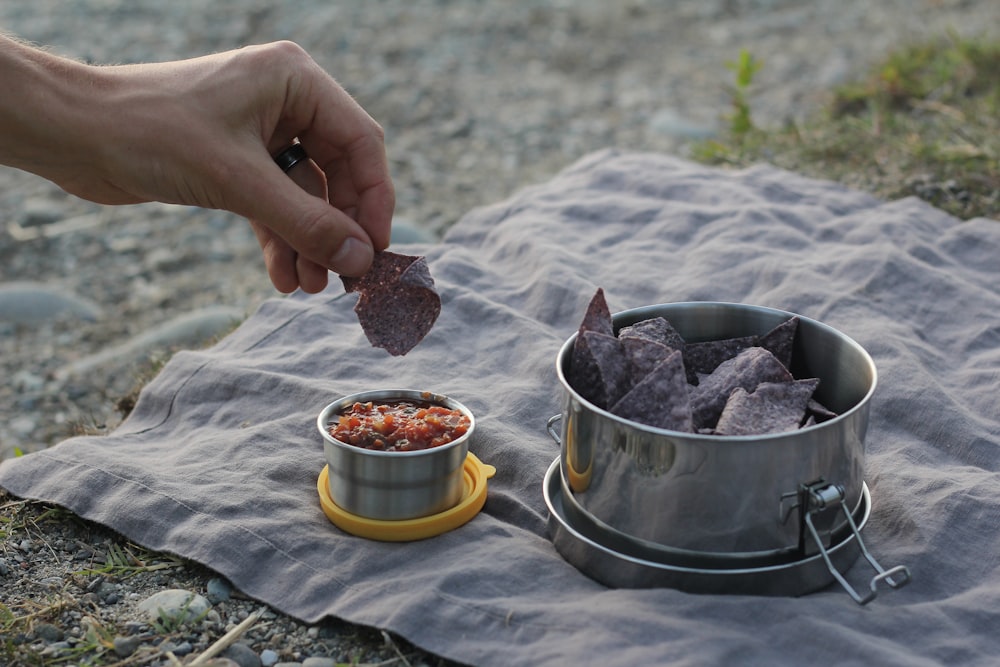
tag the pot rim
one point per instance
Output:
(566, 349)
(389, 395)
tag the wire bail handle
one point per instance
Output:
(818, 496)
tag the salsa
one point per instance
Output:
(398, 426)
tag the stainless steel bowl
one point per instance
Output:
(393, 486)
(727, 497)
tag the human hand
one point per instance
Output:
(202, 132)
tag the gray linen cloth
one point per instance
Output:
(219, 461)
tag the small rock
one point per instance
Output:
(319, 662)
(125, 646)
(268, 658)
(403, 231)
(184, 648)
(163, 258)
(28, 381)
(134, 627)
(31, 304)
(23, 425)
(242, 655)
(671, 123)
(174, 605)
(49, 632)
(38, 211)
(218, 590)
(55, 649)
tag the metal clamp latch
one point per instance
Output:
(819, 496)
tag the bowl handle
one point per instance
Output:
(821, 497)
(550, 426)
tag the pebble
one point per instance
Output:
(268, 658)
(27, 381)
(242, 655)
(30, 304)
(125, 646)
(672, 123)
(133, 627)
(49, 632)
(218, 590)
(173, 605)
(183, 648)
(38, 211)
(56, 649)
(405, 232)
(316, 661)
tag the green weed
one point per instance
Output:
(745, 68)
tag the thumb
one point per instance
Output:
(294, 207)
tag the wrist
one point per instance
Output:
(44, 111)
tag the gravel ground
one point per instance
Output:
(478, 99)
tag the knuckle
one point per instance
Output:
(315, 237)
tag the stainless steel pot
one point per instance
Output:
(714, 496)
(393, 486)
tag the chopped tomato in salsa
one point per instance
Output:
(398, 426)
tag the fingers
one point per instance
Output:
(279, 258)
(312, 277)
(350, 213)
(288, 269)
(358, 179)
(340, 137)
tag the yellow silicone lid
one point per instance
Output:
(474, 473)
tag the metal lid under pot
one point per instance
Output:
(634, 569)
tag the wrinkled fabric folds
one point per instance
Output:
(219, 460)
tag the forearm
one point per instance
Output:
(201, 132)
(93, 130)
(43, 110)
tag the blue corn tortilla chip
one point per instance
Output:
(771, 407)
(599, 369)
(746, 370)
(818, 412)
(649, 374)
(598, 317)
(398, 304)
(643, 356)
(656, 329)
(779, 340)
(661, 398)
(704, 357)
